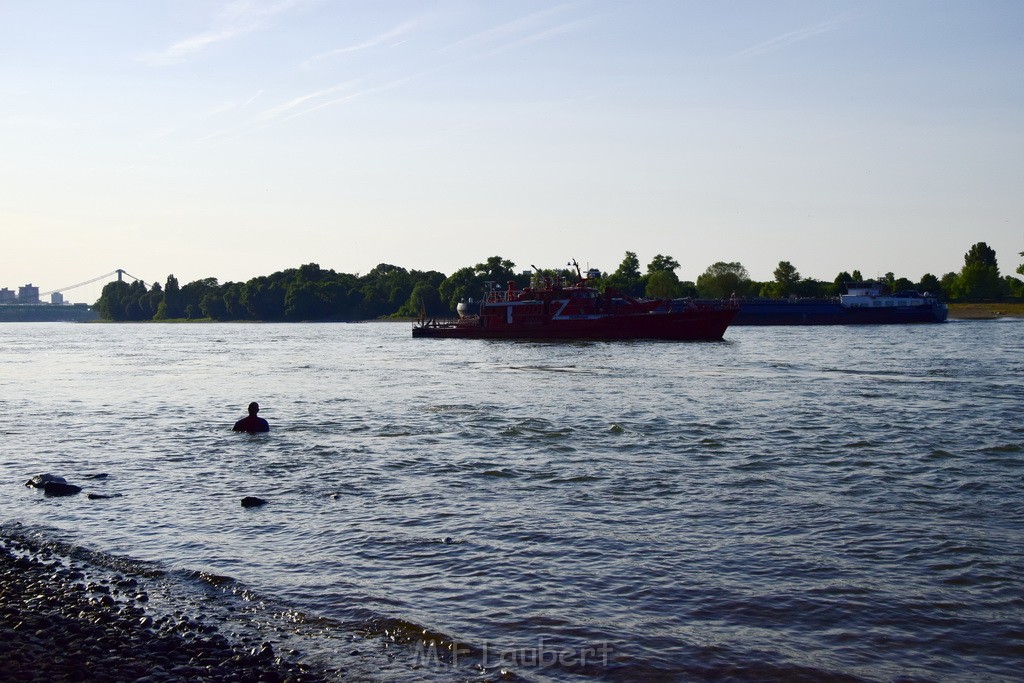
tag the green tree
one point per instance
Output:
(155, 296)
(137, 303)
(110, 305)
(311, 272)
(424, 298)
(889, 280)
(661, 281)
(838, 286)
(212, 306)
(982, 254)
(930, 284)
(234, 309)
(661, 263)
(979, 278)
(977, 281)
(1013, 286)
(663, 284)
(468, 283)
(627, 278)
(326, 299)
(497, 269)
(460, 285)
(948, 284)
(193, 293)
(171, 305)
(384, 289)
(721, 280)
(786, 280)
(1020, 268)
(902, 284)
(263, 297)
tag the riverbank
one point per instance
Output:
(957, 311)
(986, 311)
(64, 619)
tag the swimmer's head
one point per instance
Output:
(254, 408)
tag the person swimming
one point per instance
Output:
(252, 424)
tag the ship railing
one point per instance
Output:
(498, 296)
(436, 322)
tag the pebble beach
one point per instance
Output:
(64, 619)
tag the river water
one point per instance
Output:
(792, 503)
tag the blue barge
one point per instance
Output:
(864, 304)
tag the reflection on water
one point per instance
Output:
(792, 503)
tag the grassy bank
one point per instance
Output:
(986, 311)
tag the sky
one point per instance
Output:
(236, 138)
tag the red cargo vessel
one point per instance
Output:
(578, 311)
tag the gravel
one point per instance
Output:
(63, 621)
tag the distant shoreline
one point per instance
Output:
(986, 311)
(957, 311)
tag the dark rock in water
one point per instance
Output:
(102, 496)
(252, 502)
(40, 480)
(59, 488)
(101, 475)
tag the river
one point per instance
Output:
(794, 503)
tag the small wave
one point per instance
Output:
(394, 433)
(580, 479)
(866, 373)
(209, 578)
(453, 408)
(546, 368)
(1005, 448)
(535, 427)
(505, 473)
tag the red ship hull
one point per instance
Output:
(581, 312)
(708, 325)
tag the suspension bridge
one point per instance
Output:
(29, 306)
(120, 273)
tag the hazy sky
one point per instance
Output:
(233, 139)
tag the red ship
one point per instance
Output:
(579, 311)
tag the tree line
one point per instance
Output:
(313, 293)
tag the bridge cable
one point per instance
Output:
(88, 282)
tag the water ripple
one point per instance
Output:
(809, 505)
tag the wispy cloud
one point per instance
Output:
(561, 29)
(285, 107)
(236, 19)
(348, 98)
(512, 28)
(787, 39)
(221, 108)
(252, 99)
(294, 108)
(386, 37)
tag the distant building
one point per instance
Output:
(7, 296)
(28, 294)
(56, 298)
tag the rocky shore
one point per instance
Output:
(62, 620)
